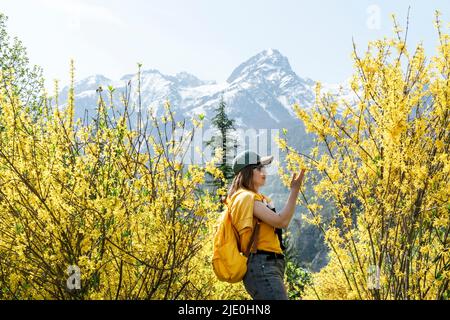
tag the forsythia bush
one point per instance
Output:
(112, 200)
(384, 164)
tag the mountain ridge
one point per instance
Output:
(260, 92)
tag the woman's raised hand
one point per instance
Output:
(297, 180)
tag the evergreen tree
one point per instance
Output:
(223, 140)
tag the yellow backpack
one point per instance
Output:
(229, 264)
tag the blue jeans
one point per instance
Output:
(264, 279)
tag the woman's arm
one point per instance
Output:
(282, 219)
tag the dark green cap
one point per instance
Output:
(247, 158)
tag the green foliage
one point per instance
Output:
(296, 279)
(222, 142)
(18, 78)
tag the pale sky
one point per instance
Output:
(208, 38)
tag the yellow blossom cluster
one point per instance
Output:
(115, 201)
(384, 166)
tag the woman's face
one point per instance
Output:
(259, 176)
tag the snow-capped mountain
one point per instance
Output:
(259, 93)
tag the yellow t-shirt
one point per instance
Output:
(241, 205)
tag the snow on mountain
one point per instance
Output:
(341, 91)
(269, 78)
(259, 93)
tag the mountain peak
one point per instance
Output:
(186, 79)
(271, 52)
(91, 82)
(269, 60)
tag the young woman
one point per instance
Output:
(259, 226)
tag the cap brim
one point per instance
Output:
(266, 160)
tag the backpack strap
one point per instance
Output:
(252, 246)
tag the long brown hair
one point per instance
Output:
(244, 179)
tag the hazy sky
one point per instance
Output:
(208, 38)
